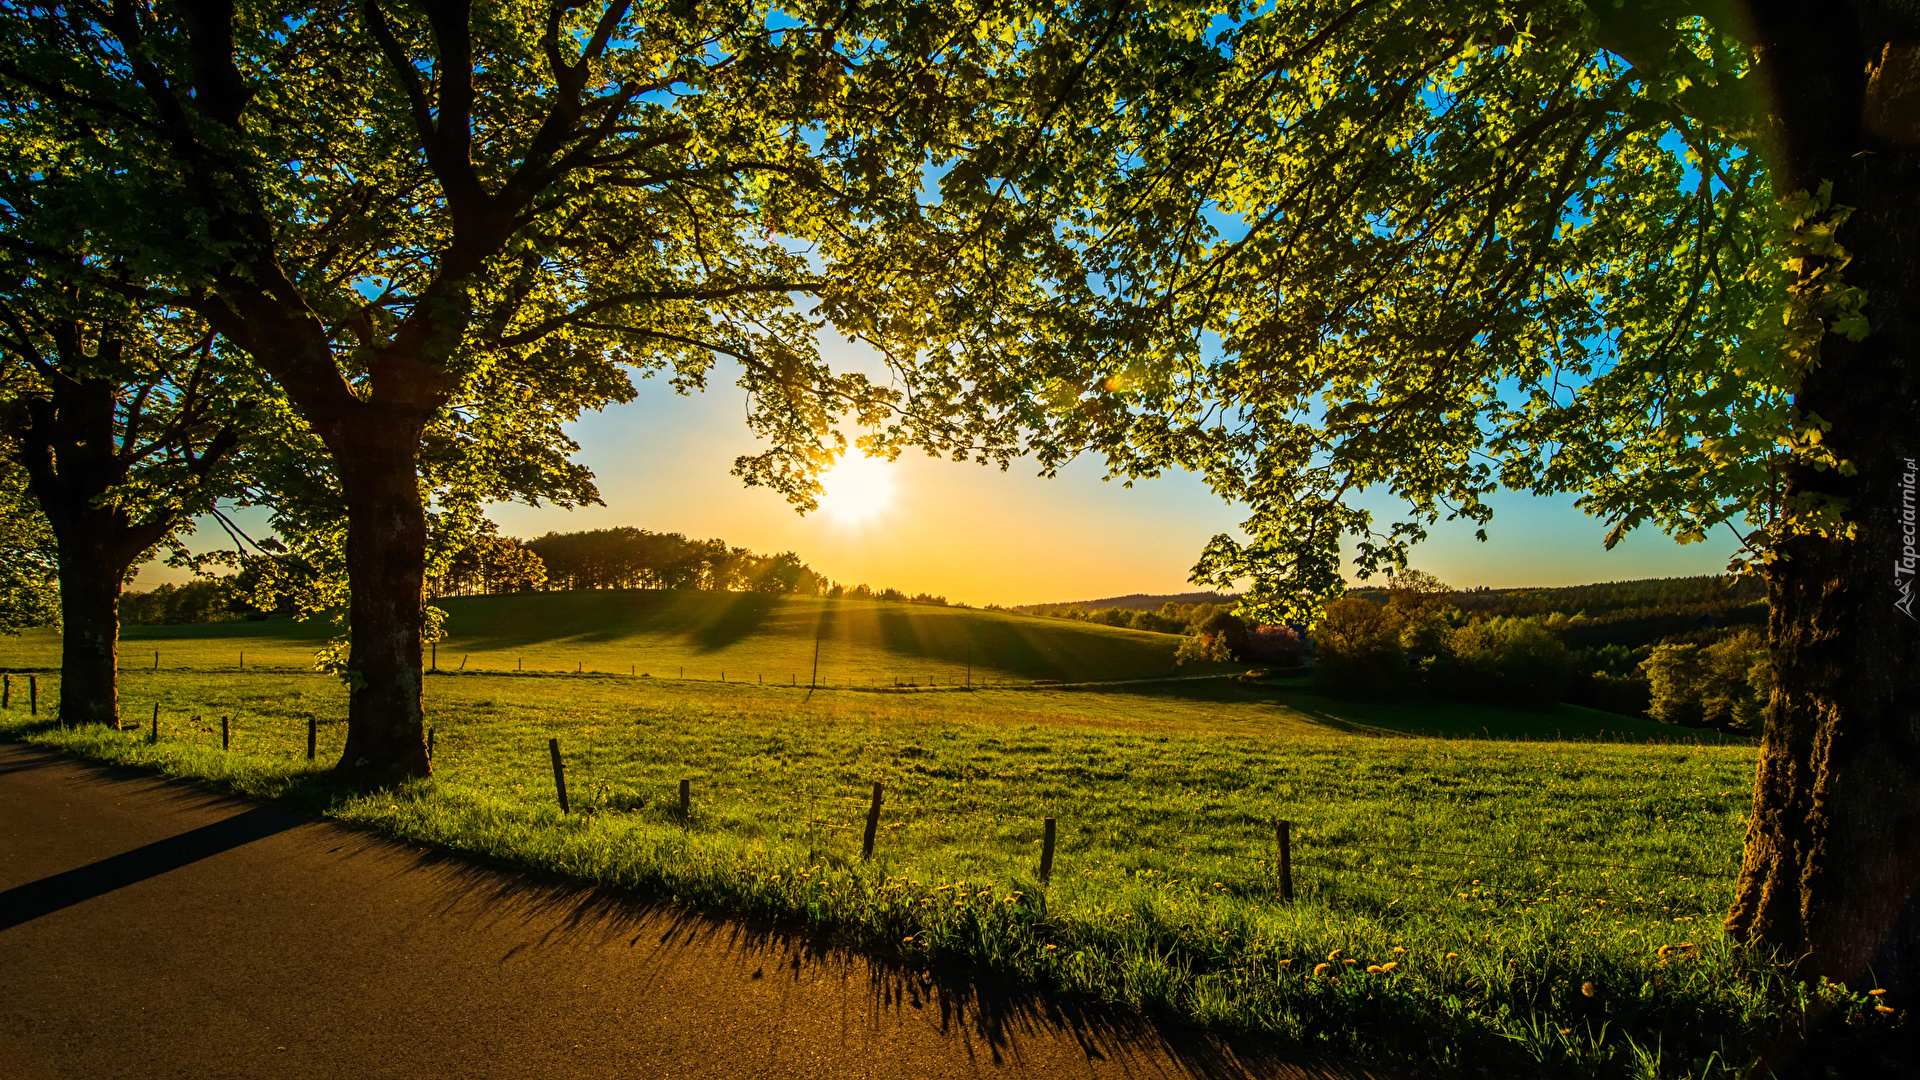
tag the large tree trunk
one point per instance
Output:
(386, 570)
(1832, 865)
(90, 580)
(69, 453)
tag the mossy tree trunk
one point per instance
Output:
(1832, 864)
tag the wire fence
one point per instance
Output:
(1325, 859)
(1452, 879)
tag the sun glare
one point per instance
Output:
(859, 489)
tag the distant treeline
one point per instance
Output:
(1131, 602)
(632, 558)
(490, 564)
(201, 601)
(1678, 650)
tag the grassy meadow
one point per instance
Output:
(1478, 891)
(738, 637)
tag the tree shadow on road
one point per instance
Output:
(992, 1020)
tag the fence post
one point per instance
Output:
(1046, 854)
(429, 743)
(686, 800)
(559, 774)
(313, 735)
(33, 695)
(873, 823)
(6, 692)
(226, 733)
(1283, 843)
(243, 661)
(155, 737)
(156, 659)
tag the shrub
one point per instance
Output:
(1277, 645)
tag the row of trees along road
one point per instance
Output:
(1661, 254)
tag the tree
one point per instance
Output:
(384, 205)
(1658, 253)
(29, 575)
(1357, 651)
(121, 427)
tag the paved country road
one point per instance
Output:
(149, 929)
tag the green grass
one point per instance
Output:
(1500, 866)
(739, 636)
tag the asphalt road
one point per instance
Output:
(151, 930)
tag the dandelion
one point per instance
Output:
(1320, 969)
(1374, 969)
(1883, 1008)
(1875, 993)
(1589, 990)
(1387, 968)
(1334, 955)
(1453, 956)
(1398, 951)
(1051, 948)
(1350, 962)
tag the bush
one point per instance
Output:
(1510, 662)
(1357, 650)
(1276, 645)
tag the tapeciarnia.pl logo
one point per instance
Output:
(1903, 567)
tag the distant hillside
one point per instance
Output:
(1629, 613)
(1137, 601)
(752, 637)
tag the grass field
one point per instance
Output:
(1545, 901)
(741, 637)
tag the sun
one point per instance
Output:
(859, 489)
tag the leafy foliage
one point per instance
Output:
(630, 558)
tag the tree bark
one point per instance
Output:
(386, 571)
(1831, 874)
(69, 452)
(90, 583)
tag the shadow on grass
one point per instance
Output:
(988, 1016)
(1428, 719)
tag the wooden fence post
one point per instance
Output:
(243, 661)
(33, 695)
(1283, 855)
(559, 774)
(873, 823)
(226, 733)
(429, 743)
(6, 692)
(1046, 854)
(156, 659)
(686, 800)
(155, 737)
(313, 735)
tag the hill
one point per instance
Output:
(696, 635)
(1137, 601)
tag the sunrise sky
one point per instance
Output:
(981, 536)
